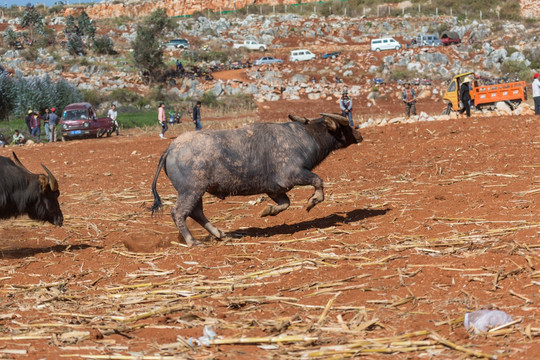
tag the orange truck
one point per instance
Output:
(484, 95)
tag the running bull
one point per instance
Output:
(259, 158)
(22, 192)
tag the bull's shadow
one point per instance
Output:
(327, 221)
(19, 253)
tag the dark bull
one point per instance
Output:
(261, 158)
(22, 192)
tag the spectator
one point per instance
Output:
(408, 96)
(35, 125)
(536, 93)
(465, 96)
(197, 115)
(162, 120)
(18, 138)
(53, 121)
(345, 104)
(27, 120)
(113, 114)
(46, 123)
(3, 141)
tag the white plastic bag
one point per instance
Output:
(482, 320)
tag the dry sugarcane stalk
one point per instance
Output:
(327, 309)
(450, 344)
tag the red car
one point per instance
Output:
(80, 119)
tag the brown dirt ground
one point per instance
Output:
(421, 223)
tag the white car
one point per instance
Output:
(301, 55)
(385, 44)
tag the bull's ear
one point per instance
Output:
(43, 182)
(330, 124)
(301, 120)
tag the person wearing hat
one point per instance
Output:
(53, 121)
(465, 96)
(345, 104)
(408, 96)
(27, 120)
(536, 93)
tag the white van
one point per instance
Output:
(385, 44)
(301, 55)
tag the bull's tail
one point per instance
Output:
(157, 200)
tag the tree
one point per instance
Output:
(7, 94)
(85, 26)
(33, 20)
(147, 49)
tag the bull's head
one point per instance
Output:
(44, 191)
(337, 125)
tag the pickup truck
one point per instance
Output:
(484, 95)
(449, 38)
(250, 45)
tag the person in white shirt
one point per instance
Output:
(536, 94)
(113, 114)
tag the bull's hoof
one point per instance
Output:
(268, 211)
(311, 204)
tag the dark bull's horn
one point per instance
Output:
(52, 180)
(340, 119)
(299, 119)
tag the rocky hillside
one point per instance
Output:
(529, 8)
(489, 49)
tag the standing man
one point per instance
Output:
(27, 120)
(345, 104)
(53, 121)
(35, 125)
(536, 93)
(408, 96)
(113, 114)
(46, 124)
(197, 116)
(162, 120)
(465, 96)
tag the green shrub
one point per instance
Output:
(104, 45)
(518, 68)
(94, 97)
(124, 96)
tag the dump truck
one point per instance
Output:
(484, 96)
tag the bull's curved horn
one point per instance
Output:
(340, 119)
(299, 119)
(19, 163)
(52, 180)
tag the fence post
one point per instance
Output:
(480, 14)
(419, 8)
(436, 11)
(274, 9)
(403, 10)
(345, 12)
(378, 11)
(389, 10)
(450, 11)
(260, 9)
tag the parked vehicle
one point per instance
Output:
(484, 95)
(428, 40)
(301, 55)
(378, 81)
(178, 44)
(80, 119)
(385, 44)
(267, 60)
(250, 45)
(449, 38)
(331, 55)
